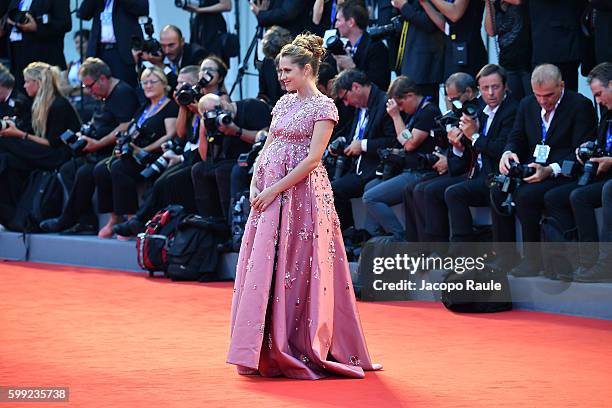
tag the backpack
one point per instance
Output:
(193, 254)
(466, 300)
(42, 198)
(152, 244)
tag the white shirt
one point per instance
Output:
(556, 168)
(107, 30)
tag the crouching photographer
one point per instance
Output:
(174, 185)
(573, 205)
(118, 177)
(412, 153)
(91, 144)
(229, 130)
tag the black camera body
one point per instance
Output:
(188, 94)
(335, 46)
(248, 159)
(75, 143)
(185, 3)
(212, 120)
(509, 183)
(393, 28)
(149, 44)
(335, 159)
(458, 109)
(587, 152)
(394, 160)
(18, 16)
(158, 166)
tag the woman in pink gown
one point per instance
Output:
(293, 307)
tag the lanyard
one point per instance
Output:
(485, 123)
(364, 123)
(413, 117)
(333, 13)
(609, 137)
(354, 47)
(196, 125)
(107, 5)
(147, 113)
(544, 132)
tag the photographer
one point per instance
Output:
(175, 54)
(14, 103)
(119, 102)
(213, 72)
(423, 57)
(487, 134)
(461, 21)
(413, 137)
(372, 129)
(549, 126)
(36, 30)
(220, 145)
(294, 15)
(573, 205)
(22, 152)
(174, 185)
(361, 52)
(115, 23)
(207, 24)
(117, 178)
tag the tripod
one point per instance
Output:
(242, 71)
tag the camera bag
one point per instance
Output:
(42, 198)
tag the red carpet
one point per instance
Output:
(123, 340)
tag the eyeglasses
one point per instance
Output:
(149, 82)
(89, 86)
(343, 97)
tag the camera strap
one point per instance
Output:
(542, 150)
(402, 46)
(147, 113)
(609, 137)
(422, 104)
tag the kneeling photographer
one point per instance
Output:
(174, 185)
(410, 156)
(573, 205)
(229, 130)
(91, 144)
(117, 178)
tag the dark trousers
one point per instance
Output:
(519, 82)
(174, 186)
(349, 186)
(415, 215)
(78, 176)
(211, 185)
(119, 69)
(117, 187)
(569, 74)
(606, 201)
(459, 198)
(240, 180)
(429, 199)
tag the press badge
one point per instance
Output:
(541, 153)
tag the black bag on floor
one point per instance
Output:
(477, 301)
(193, 255)
(42, 198)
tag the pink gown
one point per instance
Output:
(293, 307)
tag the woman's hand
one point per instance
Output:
(11, 130)
(253, 192)
(263, 199)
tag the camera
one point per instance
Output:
(394, 160)
(157, 167)
(4, 124)
(453, 116)
(509, 183)
(335, 159)
(185, 3)
(248, 159)
(212, 120)
(149, 44)
(335, 46)
(586, 153)
(75, 143)
(188, 94)
(18, 16)
(387, 30)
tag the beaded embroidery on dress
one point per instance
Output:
(293, 307)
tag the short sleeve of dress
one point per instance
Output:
(326, 110)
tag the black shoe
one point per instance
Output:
(526, 268)
(598, 273)
(54, 225)
(81, 229)
(131, 227)
(502, 262)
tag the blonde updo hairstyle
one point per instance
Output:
(305, 49)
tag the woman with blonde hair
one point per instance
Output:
(21, 151)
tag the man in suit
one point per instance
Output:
(487, 136)
(555, 38)
(13, 102)
(114, 24)
(294, 15)
(372, 129)
(549, 126)
(423, 58)
(363, 53)
(39, 36)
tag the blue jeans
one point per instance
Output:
(378, 198)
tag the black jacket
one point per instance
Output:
(492, 145)
(125, 24)
(47, 42)
(372, 57)
(379, 132)
(423, 59)
(18, 104)
(573, 123)
(294, 15)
